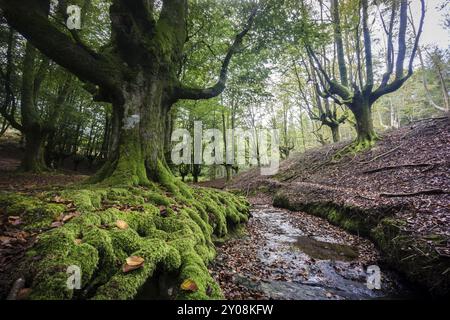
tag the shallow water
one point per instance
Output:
(291, 256)
(297, 265)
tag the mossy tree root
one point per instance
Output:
(178, 239)
(357, 146)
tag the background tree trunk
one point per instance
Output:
(335, 133)
(33, 160)
(32, 127)
(364, 123)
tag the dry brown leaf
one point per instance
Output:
(56, 224)
(58, 199)
(5, 240)
(163, 211)
(23, 294)
(14, 220)
(189, 285)
(133, 263)
(121, 224)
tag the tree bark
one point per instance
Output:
(364, 123)
(139, 123)
(32, 124)
(33, 159)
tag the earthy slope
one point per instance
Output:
(397, 194)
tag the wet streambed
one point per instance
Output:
(292, 255)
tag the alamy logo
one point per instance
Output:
(373, 278)
(74, 279)
(238, 147)
(73, 15)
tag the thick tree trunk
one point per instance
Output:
(33, 159)
(138, 135)
(364, 123)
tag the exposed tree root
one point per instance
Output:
(381, 155)
(412, 194)
(408, 165)
(169, 224)
(360, 145)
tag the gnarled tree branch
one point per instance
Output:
(183, 92)
(30, 20)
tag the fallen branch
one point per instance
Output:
(411, 194)
(411, 165)
(364, 197)
(381, 155)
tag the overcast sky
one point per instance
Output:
(433, 32)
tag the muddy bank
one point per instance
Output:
(296, 256)
(396, 195)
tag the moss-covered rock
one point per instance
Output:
(170, 225)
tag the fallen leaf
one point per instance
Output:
(5, 240)
(133, 263)
(14, 220)
(163, 211)
(23, 294)
(121, 224)
(70, 216)
(58, 199)
(208, 290)
(56, 224)
(78, 241)
(189, 285)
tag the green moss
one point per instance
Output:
(85, 200)
(281, 200)
(35, 213)
(406, 252)
(194, 268)
(178, 241)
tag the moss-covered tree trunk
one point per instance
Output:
(32, 125)
(196, 170)
(362, 111)
(229, 173)
(139, 123)
(33, 158)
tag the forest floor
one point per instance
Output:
(397, 194)
(14, 241)
(295, 256)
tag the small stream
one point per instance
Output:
(294, 256)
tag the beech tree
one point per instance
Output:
(137, 72)
(24, 87)
(359, 91)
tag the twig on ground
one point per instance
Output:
(411, 194)
(381, 155)
(364, 197)
(408, 165)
